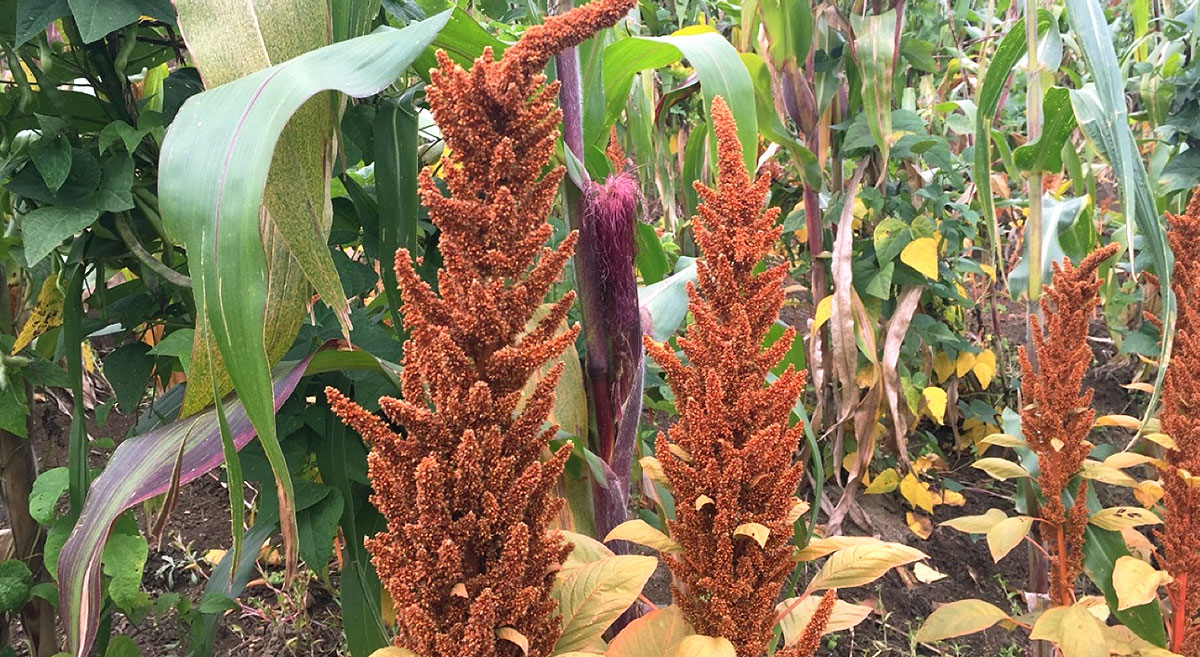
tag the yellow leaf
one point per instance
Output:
(1082, 635)
(1135, 582)
(926, 574)
(1148, 493)
(754, 530)
(679, 453)
(799, 508)
(584, 549)
(958, 619)
(885, 482)
(919, 524)
(705, 646)
(921, 254)
(393, 651)
(935, 401)
(1097, 471)
(1007, 534)
(976, 524)
(1003, 440)
(213, 557)
(918, 493)
(1119, 517)
(1122, 460)
(1123, 421)
(1140, 386)
(639, 531)
(843, 617)
(943, 367)
(823, 312)
(657, 634)
(653, 469)
(964, 364)
(595, 594)
(820, 547)
(999, 468)
(1160, 439)
(953, 498)
(47, 313)
(703, 501)
(511, 635)
(862, 564)
(985, 368)
(989, 270)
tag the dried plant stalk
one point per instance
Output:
(1056, 417)
(1180, 419)
(729, 459)
(467, 501)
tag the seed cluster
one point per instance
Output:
(1057, 414)
(456, 466)
(730, 457)
(1180, 419)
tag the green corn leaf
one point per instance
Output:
(1101, 111)
(717, 64)
(1045, 154)
(214, 180)
(995, 78)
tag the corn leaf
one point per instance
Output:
(1101, 111)
(216, 177)
(717, 65)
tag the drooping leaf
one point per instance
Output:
(214, 179)
(1007, 534)
(666, 301)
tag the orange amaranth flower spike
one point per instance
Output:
(1180, 419)
(736, 445)
(1057, 417)
(467, 500)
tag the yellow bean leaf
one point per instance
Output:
(919, 524)
(885, 482)
(985, 368)
(935, 401)
(47, 314)
(964, 364)
(921, 254)
(918, 493)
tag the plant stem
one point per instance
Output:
(1033, 118)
